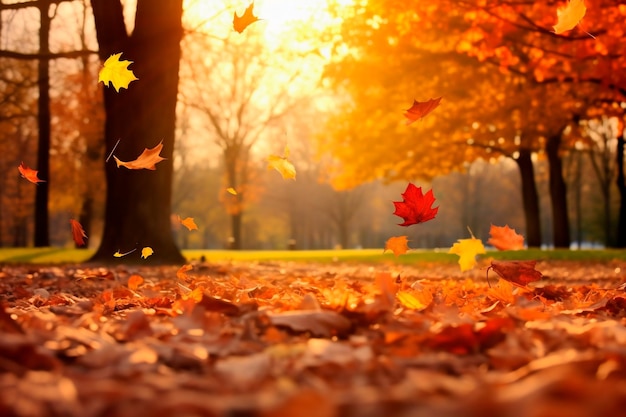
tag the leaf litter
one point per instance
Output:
(278, 339)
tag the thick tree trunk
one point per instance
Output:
(42, 236)
(530, 198)
(558, 193)
(138, 201)
(621, 186)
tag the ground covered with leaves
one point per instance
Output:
(299, 339)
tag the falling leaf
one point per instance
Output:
(119, 254)
(397, 244)
(420, 109)
(282, 165)
(505, 238)
(467, 249)
(569, 16)
(188, 223)
(134, 281)
(147, 160)
(520, 273)
(29, 174)
(147, 251)
(78, 233)
(245, 20)
(231, 190)
(116, 72)
(415, 207)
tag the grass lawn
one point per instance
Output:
(63, 255)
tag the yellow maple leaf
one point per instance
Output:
(398, 245)
(188, 223)
(467, 249)
(569, 16)
(282, 165)
(116, 72)
(147, 251)
(147, 160)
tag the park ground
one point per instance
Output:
(375, 336)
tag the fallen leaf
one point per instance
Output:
(116, 72)
(231, 190)
(518, 272)
(502, 292)
(467, 249)
(78, 233)
(569, 16)
(387, 287)
(505, 238)
(399, 245)
(181, 274)
(420, 109)
(282, 165)
(134, 281)
(415, 300)
(322, 323)
(245, 20)
(147, 251)
(29, 174)
(147, 160)
(188, 223)
(415, 207)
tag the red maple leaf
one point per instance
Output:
(519, 273)
(78, 233)
(415, 207)
(245, 20)
(419, 109)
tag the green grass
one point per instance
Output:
(63, 255)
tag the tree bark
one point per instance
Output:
(42, 236)
(137, 208)
(558, 193)
(530, 198)
(621, 186)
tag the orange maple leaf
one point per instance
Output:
(78, 233)
(28, 173)
(245, 20)
(188, 223)
(399, 245)
(420, 109)
(520, 273)
(505, 238)
(569, 16)
(147, 160)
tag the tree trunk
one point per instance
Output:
(530, 198)
(621, 186)
(138, 201)
(42, 236)
(235, 228)
(558, 193)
